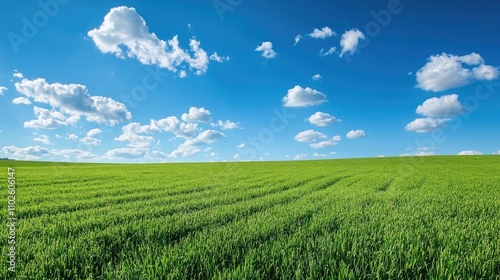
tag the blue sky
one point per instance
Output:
(234, 80)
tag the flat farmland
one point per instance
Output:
(382, 218)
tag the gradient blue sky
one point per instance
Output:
(106, 80)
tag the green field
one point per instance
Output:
(384, 218)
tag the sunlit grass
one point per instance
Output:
(385, 218)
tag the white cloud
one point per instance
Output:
(350, 40)
(241, 146)
(497, 153)
(309, 136)
(73, 137)
(316, 77)
(91, 139)
(125, 33)
(425, 125)
(322, 119)
(197, 115)
(327, 143)
(324, 33)
(420, 151)
(218, 58)
(470, 153)
(21, 100)
(182, 74)
(131, 134)
(212, 154)
(94, 132)
(228, 125)
(236, 156)
(485, 72)
(418, 154)
(319, 155)
(49, 119)
(303, 97)
(156, 154)
(73, 100)
(42, 139)
(2, 90)
(36, 152)
(30, 152)
(74, 153)
(300, 156)
(126, 153)
(134, 132)
(353, 134)
(17, 74)
(329, 52)
(297, 39)
(445, 71)
(267, 50)
(191, 146)
(444, 106)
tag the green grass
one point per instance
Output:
(385, 218)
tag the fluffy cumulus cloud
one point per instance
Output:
(444, 106)
(227, 125)
(41, 138)
(319, 155)
(91, 138)
(267, 50)
(316, 77)
(69, 103)
(30, 152)
(124, 33)
(140, 135)
(36, 152)
(74, 154)
(322, 119)
(126, 153)
(353, 134)
(21, 100)
(425, 125)
(94, 132)
(49, 119)
(201, 115)
(446, 71)
(193, 146)
(327, 143)
(350, 40)
(469, 153)
(73, 137)
(322, 33)
(300, 156)
(309, 136)
(2, 90)
(17, 74)
(303, 97)
(218, 58)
